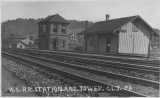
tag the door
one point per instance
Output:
(54, 44)
(108, 44)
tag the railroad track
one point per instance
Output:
(151, 73)
(121, 61)
(64, 78)
(65, 70)
(114, 58)
(79, 71)
(91, 67)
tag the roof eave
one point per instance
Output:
(53, 22)
(151, 29)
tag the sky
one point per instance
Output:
(91, 10)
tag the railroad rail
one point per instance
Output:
(121, 61)
(79, 65)
(122, 58)
(75, 68)
(101, 62)
(65, 78)
(141, 73)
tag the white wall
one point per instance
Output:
(133, 42)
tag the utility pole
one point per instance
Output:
(149, 46)
(133, 42)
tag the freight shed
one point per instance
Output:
(129, 35)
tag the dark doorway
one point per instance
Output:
(54, 44)
(108, 44)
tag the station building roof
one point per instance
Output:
(109, 26)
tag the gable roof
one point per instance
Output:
(55, 18)
(110, 25)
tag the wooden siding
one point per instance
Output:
(97, 43)
(133, 41)
(61, 41)
(114, 44)
(90, 43)
(102, 44)
(43, 37)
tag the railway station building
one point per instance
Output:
(53, 33)
(127, 35)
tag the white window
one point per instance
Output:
(55, 28)
(63, 29)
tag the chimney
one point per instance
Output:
(107, 17)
